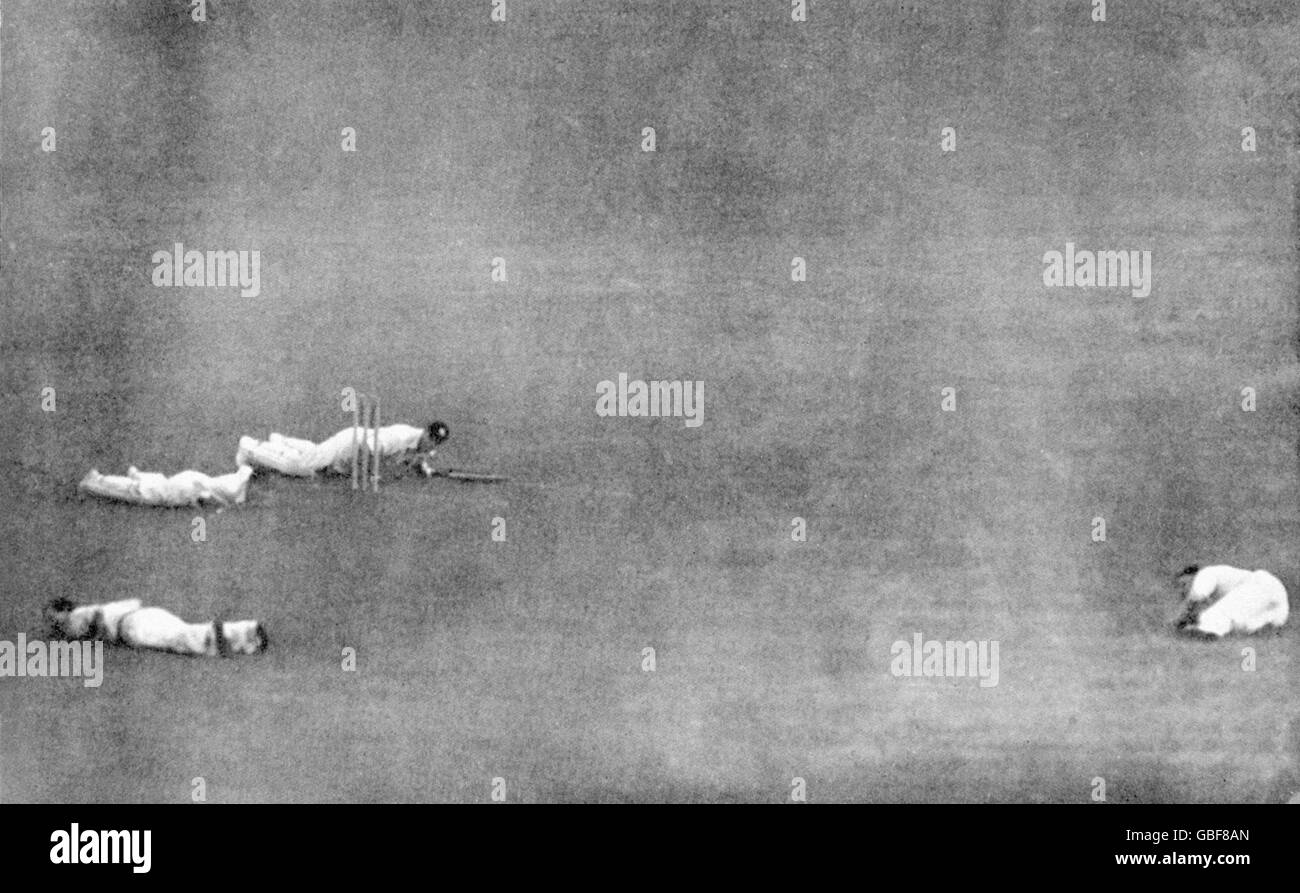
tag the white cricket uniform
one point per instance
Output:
(111, 486)
(187, 488)
(127, 622)
(303, 458)
(232, 487)
(1237, 600)
(98, 621)
(193, 487)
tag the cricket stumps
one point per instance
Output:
(366, 454)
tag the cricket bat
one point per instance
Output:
(470, 476)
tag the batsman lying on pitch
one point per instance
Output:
(303, 458)
(1220, 600)
(188, 488)
(128, 622)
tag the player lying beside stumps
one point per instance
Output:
(1219, 600)
(188, 488)
(302, 458)
(127, 622)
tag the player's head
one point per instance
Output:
(59, 608)
(1183, 582)
(436, 433)
(60, 605)
(57, 614)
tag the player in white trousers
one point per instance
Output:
(1220, 599)
(128, 622)
(187, 488)
(303, 458)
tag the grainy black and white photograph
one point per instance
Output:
(649, 401)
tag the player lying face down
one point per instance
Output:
(302, 458)
(187, 488)
(1219, 599)
(128, 622)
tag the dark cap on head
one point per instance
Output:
(438, 432)
(1190, 571)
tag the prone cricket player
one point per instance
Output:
(303, 458)
(128, 622)
(187, 488)
(1220, 600)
